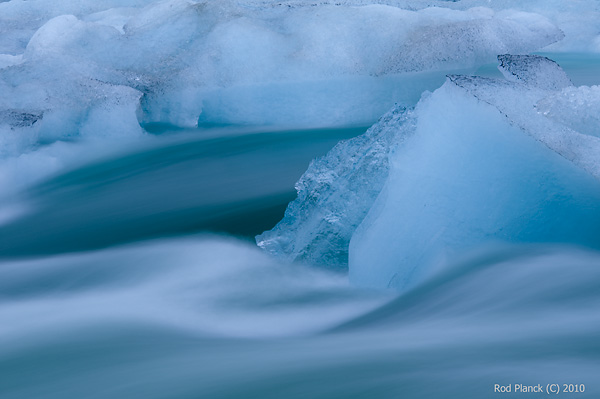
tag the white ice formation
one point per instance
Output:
(88, 68)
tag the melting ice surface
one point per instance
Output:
(479, 161)
(130, 129)
(189, 62)
(476, 180)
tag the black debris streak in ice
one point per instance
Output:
(534, 70)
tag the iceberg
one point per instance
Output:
(577, 19)
(335, 194)
(475, 163)
(536, 71)
(483, 167)
(575, 107)
(187, 63)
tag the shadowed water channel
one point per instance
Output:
(233, 183)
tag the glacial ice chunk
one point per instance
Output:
(7, 60)
(475, 163)
(517, 102)
(534, 70)
(232, 62)
(575, 107)
(335, 194)
(18, 118)
(483, 167)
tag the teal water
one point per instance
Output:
(134, 275)
(227, 181)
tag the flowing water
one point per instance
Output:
(132, 274)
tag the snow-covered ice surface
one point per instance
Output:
(477, 162)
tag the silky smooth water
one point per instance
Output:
(228, 180)
(207, 318)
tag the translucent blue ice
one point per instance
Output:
(474, 164)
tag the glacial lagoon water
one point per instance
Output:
(225, 180)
